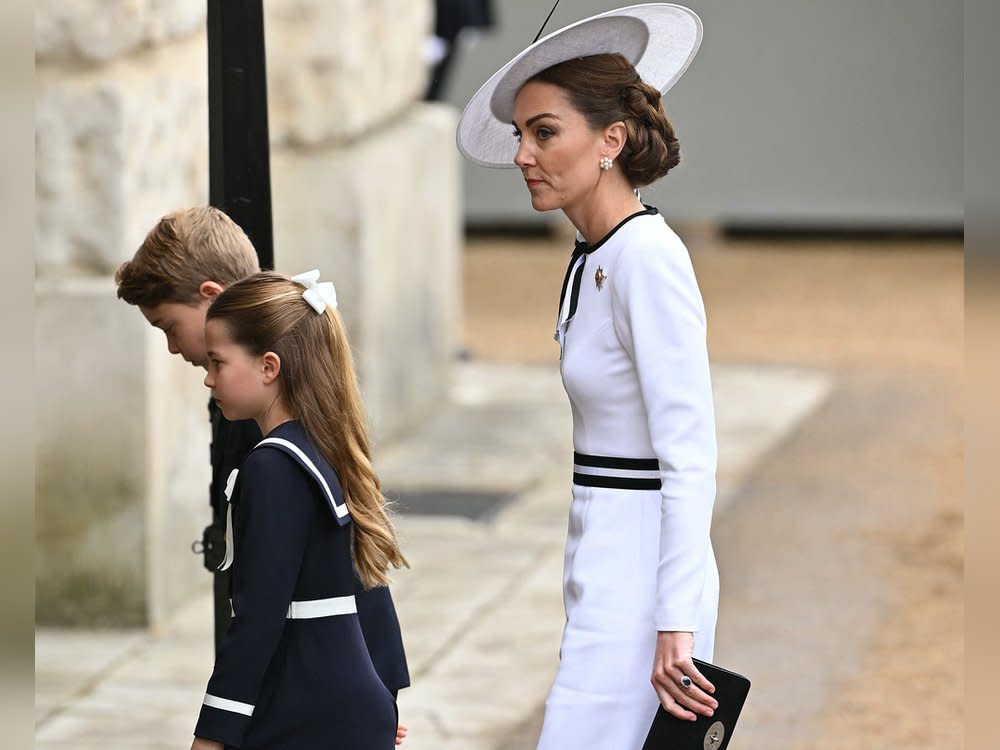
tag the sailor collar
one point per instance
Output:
(292, 439)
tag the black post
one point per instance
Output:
(238, 147)
(239, 185)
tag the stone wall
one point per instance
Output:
(365, 187)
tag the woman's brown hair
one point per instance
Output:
(606, 89)
(267, 313)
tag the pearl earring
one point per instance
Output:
(606, 163)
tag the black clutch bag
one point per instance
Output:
(707, 732)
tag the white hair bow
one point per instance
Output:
(317, 294)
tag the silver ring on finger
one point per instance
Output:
(685, 682)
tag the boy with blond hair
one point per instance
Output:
(184, 262)
(188, 258)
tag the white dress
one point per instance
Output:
(638, 554)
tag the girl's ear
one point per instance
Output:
(271, 363)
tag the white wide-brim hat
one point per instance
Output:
(659, 39)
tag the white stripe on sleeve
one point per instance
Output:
(227, 705)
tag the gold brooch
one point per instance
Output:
(599, 278)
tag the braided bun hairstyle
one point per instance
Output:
(606, 89)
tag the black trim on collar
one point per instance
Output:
(647, 211)
(582, 248)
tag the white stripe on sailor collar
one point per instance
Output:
(340, 510)
(224, 704)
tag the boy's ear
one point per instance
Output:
(209, 289)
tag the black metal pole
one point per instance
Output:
(239, 151)
(239, 185)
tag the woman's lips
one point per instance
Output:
(532, 183)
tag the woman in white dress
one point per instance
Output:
(640, 582)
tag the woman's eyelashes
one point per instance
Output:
(542, 133)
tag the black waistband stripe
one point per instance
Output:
(616, 472)
(615, 483)
(614, 462)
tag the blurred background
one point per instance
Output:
(820, 195)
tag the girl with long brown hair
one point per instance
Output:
(307, 512)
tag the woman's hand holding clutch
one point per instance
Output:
(683, 690)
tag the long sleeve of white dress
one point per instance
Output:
(659, 318)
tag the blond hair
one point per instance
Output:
(266, 312)
(184, 249)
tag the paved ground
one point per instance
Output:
(838, 525)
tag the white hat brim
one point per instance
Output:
(659, 39)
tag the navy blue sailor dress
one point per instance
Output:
(293, 672)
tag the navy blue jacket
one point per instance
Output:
(293, 671)
(231, 442)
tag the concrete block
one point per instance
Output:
(96, 31)
(339, 68)
(115, 149)
(122, 466)
(382, 220)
